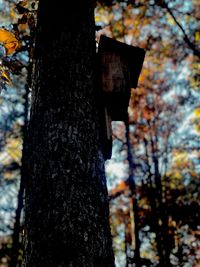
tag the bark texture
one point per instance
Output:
(66, 203)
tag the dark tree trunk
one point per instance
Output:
(66, 202)
(160, 213)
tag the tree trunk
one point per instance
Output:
(161, 220)
(132, 186)
(66, 202)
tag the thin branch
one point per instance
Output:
(163, 4)
(192, 46)
(118, 138)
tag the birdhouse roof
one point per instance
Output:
(134, 56)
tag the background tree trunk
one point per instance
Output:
(66, 203)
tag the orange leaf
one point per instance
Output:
(122, 186)
(9, 41)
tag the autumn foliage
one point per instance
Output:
(164, 126)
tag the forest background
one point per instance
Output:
(156, 218)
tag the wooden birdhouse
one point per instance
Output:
(119, 69)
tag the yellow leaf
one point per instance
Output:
(5, 76)
(97, 19)
(8, 175)
(177, 175)
(197, 36)
(14, 147)
(9, 41)
(197, 112)
(12, 14)
(170, 20)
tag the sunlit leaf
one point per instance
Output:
(197, 112)
(5, 76)
(119, 188)
(197, 36)
(9, 41)
(14, 149)
(97, 19)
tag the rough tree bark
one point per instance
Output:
(66, 203)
